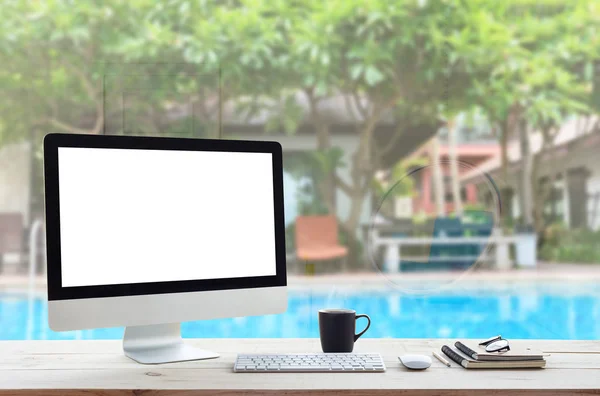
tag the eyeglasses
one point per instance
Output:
(495, 344)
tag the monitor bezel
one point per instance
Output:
(52, 142)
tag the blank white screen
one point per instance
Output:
(135, 216)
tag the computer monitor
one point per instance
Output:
(148, 232)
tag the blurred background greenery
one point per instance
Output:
(200, 68)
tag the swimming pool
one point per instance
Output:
(559, 311)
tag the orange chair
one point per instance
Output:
(317, 239)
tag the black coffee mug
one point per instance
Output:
(337, 328)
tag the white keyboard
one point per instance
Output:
(309, 362)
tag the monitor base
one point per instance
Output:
(162, 343)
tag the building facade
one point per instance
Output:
(568, 175)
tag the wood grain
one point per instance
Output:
(99, 368)
(351, 392)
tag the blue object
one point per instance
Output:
(455, 256)
(450, 228)
(525, 310)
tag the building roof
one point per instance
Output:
(573, 130)
(468, 149)
(340, 114)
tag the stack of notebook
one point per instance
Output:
(479, 358)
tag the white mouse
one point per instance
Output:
(415, 362)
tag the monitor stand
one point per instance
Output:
(162, 343)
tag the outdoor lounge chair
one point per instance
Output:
(317, 240)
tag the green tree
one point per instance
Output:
(384, 59)
(531, 74)
(417, 63)
(559, 39)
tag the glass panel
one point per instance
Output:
(434, 152)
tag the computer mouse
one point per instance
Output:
(415, 362)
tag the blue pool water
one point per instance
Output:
(522, 311)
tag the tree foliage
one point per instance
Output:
(412, 61)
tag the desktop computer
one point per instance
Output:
(148, 232)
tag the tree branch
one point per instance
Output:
(363, 111)
(70, 128)
(85, 81)
(313, 105)
(363, 169)
(377, 154)
(368, 178)
(323, 191)
(345, 187)
(391, 102)
(93, 95)
(206, 109)
(391, 144)
(349, 108)
(371, 122)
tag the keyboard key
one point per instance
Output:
(309, 368)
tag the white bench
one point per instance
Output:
(393, 248)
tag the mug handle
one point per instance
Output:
(357, 336)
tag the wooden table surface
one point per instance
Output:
(100, 368)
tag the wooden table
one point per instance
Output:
(99, 368)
